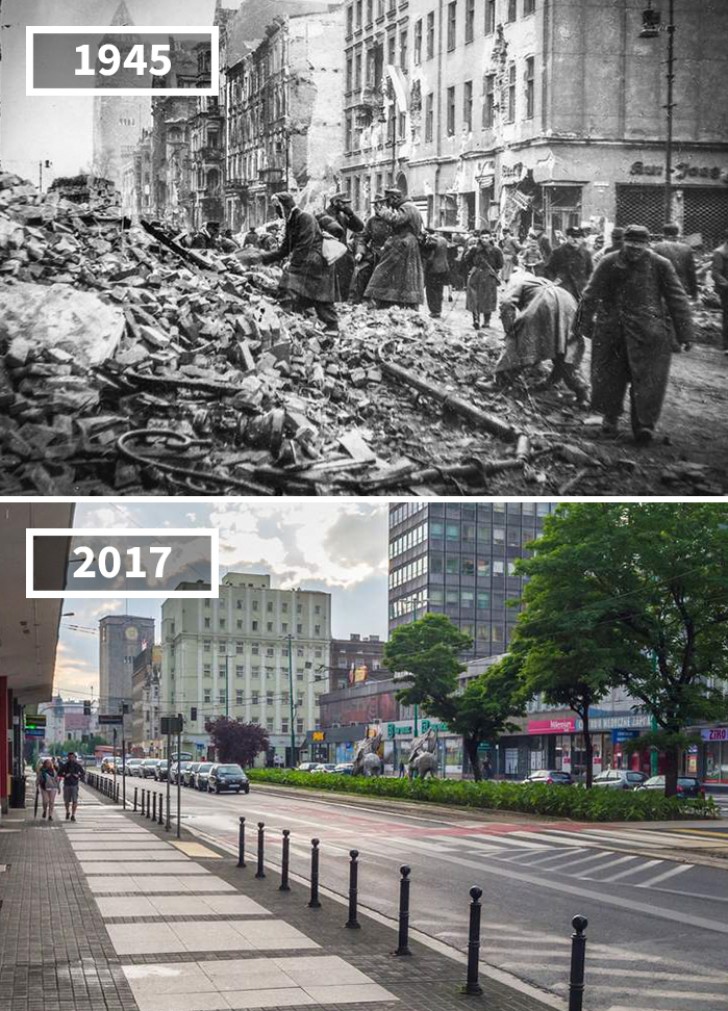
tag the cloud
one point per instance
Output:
(75, 673)
(106, 607)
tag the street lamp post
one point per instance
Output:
(290, 699)
(650, 30)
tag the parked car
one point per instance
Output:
(227, 777)
(344, 768)
(306, 766)
(687, 786)
(203, 771)
(161, 769)
(619, 779)
(325, 767)
(108, 764)
(553, 777)
(132, 765)
(177, 771)
(147, 767)
(188, 774)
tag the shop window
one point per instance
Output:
(430, 35)
(562, 208)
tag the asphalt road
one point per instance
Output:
(657, 926)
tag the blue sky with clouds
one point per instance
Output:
(338, 547)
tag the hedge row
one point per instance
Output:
(530, 798)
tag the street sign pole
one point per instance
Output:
(114, 747)
(169, 765)
(123, 770)
(179, 751)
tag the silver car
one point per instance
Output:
(619, 779)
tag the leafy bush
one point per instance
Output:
(529, 798)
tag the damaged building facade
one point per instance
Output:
(527, 111)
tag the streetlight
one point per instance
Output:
(651, 29)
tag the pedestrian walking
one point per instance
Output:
(398, 279)
(616, 242)
(339, 208)
(531, 257)
(680, 256)
(308, 281)
(719, 273)
(539, 319)
(437, 270)
(48, 786)
(368, 246)
(625, 311)
(510, 247)
(71, 772)
(484, 261)
(571, 264)
(544, 248)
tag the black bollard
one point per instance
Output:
(154, 806)
(284, 886)
(141, 801)
(352, 923)
(149, 803)
(473, 986)
(404, 895)
(135, 798)
(260, 873)
(578, 956)
(314, 900)
(160, 820)
(241, 843)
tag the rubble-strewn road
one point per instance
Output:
(128, 367)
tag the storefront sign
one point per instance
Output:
(555, 726)
(405, 728)
(512, 172)
(683, 170)
(715, 734)
(614, 722)
(620, 735)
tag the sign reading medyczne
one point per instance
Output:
(132, 563)
(139, 60)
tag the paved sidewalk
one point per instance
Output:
(113, 912)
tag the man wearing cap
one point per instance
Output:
(617, 241)
(308, 280)
(680, 256)
(368, 246)
(626, 308)
(571, 264)
(341, 211)
(484, 262)
(398, 279)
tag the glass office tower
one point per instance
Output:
(458, 559)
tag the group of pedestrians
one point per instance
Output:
(52, 776)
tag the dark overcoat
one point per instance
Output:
(308, 275)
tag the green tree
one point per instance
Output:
(635, 595)
(427, 652)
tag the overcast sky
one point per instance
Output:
(337, 547)
(60, 129)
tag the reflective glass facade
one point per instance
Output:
(458, 559)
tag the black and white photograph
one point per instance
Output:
(364, 248)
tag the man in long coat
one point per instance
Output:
(341, 211)
(538, 318)
(681, 257)
(398, 279)
(484, 262)
(571, 264)
(437, 270)
(368, 246)
(626, 309)
(308, 280)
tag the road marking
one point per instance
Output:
(568, 864)
(678, 869)
(670, 994)
(669, 977)
(607, 867)
(630, 870)
(553, 853)
(544, 837)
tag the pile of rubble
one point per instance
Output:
(131, 366)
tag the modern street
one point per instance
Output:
(655, 916)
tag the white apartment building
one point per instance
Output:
(230, 657)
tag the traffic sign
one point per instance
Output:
(171, 725)
(35, 732)
(111, 720)
(35, 722)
